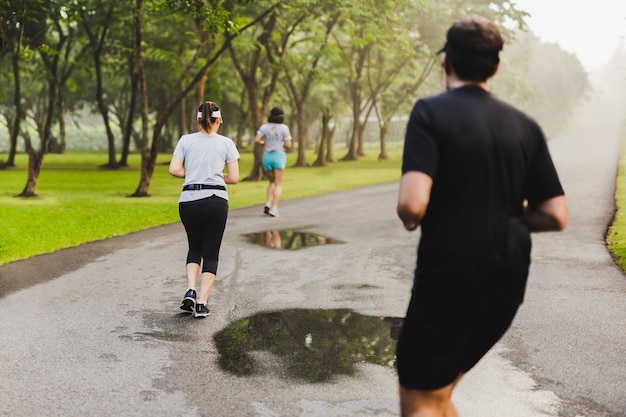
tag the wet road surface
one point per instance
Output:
(96, 330)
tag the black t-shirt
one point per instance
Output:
(485, 158)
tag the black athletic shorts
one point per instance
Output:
(438, 343)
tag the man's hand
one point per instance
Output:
(413, 198)
(549, 216)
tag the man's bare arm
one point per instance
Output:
(413, 198)
(550, 215)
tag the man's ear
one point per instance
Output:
(496, 71)
(446, 65)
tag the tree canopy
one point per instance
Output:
(144, 66)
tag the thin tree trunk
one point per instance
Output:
(323, 145)
(104, 111)
(35, 161)
(127, 129)
(330, 147)
(384, 129)
(355, 95)
(256, 173)
(35, 158)
(19, 111)
(143, 188)
(302, 135)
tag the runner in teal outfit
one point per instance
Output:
(275, 137)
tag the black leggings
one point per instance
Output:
(204, 221)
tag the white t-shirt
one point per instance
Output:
(275, 134)
(204, 158)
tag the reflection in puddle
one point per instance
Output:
(312, 345)
(289, 239)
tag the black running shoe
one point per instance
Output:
(202, 311)
(266, 210)
(189, 302)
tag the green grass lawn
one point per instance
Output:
(80, 202)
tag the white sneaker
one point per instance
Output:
(273, 212)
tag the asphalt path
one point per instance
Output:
(96, 330)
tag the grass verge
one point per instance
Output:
(616, 235)
(80, 202)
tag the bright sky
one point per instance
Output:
(590, 29)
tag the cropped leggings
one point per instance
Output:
(204, 221)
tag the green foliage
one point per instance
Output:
(212, 17)
(22, 24)
(396, 40)
(616, 236)
(614, 83)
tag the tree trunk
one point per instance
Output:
(104, 111)
(330, 147)
(362, 127)
(148, 162)
(241, 128)
(19, 112)
(35, 161)
(127, 127)
(62, 145)
(354, 140)
(256, 173)
(361, 138)
(323, 145)
(352, 154)
(145, 180)
(384, 129)
(199, 99)
(143, 189)
(302, 135)
(57, 145)
(183, 118)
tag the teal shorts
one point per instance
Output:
(274, 160)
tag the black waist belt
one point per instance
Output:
(196, 187)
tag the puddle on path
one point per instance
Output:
(291, 239)
(310, 345)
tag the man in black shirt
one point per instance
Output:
(477, 177)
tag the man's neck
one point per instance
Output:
(452, 82)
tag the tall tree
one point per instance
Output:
(211, 18)
(58, 61)
(22, 27)
(362, 26)
(97, 18)
(302, 69)
(262, 65)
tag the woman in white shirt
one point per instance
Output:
(200, 158)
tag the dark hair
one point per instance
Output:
(472, 48)
(204, 114)
(277, 115)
